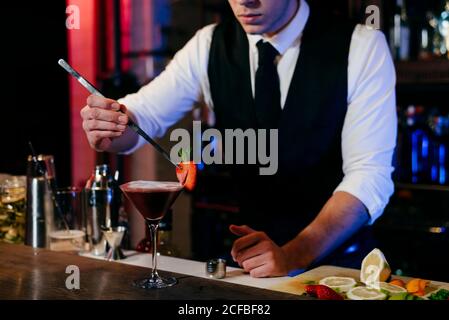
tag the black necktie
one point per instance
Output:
(267, 91)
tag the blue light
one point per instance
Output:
(352, 248)
(200, 166)
(442, 154)
(414, 154)
(425, 147)
(434, 173)
(442, 164)
(296, 272)
(109, 197)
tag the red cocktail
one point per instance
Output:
(153, 199)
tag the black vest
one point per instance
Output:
(310, 160)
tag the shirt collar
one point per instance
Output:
(289, 35)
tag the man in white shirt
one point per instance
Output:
(335, 112)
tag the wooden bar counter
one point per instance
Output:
(28, 273)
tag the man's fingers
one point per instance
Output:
(251, 252)
(240, 230)
(105, 115)
(103, 103)
(246, 241)
(84, 112)
(95, 137)
(94, 125)
(253, 263)
(102, 121)
(262, 271)
(123, 108)
(104, 109)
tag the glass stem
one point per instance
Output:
(153, 231)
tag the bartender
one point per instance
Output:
(328, 86)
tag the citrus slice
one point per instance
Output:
(365, 293)
(391, 289)
(417, 286)
(400, 296)
(375, 269)
(398, 282)
(339, 284)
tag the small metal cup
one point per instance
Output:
(114, 237)
(216, 268)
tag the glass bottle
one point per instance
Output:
(439, 149)
(427, 36)
(101, 207)
(443, 29)
(400, 32)
(417, 146)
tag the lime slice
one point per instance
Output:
(399, 296)
(339, 284)
(365, 293)
(375, 269)
(391, 289)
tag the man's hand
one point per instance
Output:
(102, 122)
(257, 254)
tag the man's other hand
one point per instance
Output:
(102, 122)
(257, 254)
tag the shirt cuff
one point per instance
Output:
(373, 194)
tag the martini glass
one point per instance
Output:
(152, 199)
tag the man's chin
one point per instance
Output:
(253, 29)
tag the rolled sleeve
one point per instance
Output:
(371, 187)
(370, 127)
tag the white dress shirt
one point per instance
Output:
(369, 130)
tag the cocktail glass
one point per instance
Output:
(153, 199)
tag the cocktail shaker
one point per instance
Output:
(40, 206)
(102, 211)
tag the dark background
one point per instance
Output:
(35, 104)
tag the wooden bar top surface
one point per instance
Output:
(28, 273)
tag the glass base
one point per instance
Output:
(156, 282)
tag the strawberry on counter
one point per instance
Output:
(322, 292)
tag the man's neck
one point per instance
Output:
(292, 10)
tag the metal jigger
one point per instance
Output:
(114, 237)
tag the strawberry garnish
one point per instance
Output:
(322, 292)
(186, 173)
(326, 293)
(311, 290)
